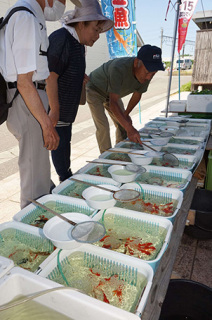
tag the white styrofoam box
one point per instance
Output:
(177, 105)
(167, 193)
(29, 212)
(32, 234)
(5, 265)
(84, 177)
(109, 257)
(199, 103)
(171, 173)
(143, 217)
(67, 301)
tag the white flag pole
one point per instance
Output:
(173, 50)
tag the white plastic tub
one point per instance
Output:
(105, 311)
(168, 194)
(32, 238)
(60, 189)
(68, 302)
(142, 217)
(5, 266)
(171, 174)
(181, 157)
(30, 213)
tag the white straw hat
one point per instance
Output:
(89, 11)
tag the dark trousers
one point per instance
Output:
(62, 156)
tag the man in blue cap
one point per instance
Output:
(114, 80)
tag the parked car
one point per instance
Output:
(184, 64)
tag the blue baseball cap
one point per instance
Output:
(151, 58)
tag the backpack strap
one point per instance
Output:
(4, 21)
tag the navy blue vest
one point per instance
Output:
(66, 57)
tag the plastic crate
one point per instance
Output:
(33, 245)
(62, 189)
(5, 265)
(166, 195)
(170, 174)
(208, 181)
(188, 161)
(32, 212)
(67, 301)
(148, 222)
(108, 260)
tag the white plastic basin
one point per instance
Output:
(121, 174)
(100, 199)
(140, 158)
(58, 231)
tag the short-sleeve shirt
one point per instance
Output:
(116, 76)
(25, 37)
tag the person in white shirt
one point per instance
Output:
(24, 66)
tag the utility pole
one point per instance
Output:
(161, 39)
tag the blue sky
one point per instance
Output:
(150, 17)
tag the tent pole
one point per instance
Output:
(173, 50)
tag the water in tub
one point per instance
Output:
(39, 216)
(156, 205)
(27, 251)
(93, 276)
(31, 310)
(155, 161)
(162, 180)
(75, 190)
(132, 237)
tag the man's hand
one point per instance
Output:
(134, 135)
(50, 136)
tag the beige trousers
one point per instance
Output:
(97, 104)
(34, 164)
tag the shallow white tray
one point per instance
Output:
(109, 257)
(85, 177)
(29, 230)
(5, 265)
(168, 193)
(142, 216)
(186, 158)
(69, 302)
(25, 214)
(171, 172)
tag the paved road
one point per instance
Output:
(83, 126)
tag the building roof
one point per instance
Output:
(203, 19)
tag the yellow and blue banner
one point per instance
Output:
(121, 38)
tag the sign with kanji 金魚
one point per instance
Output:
(122, 37)
(187, 8)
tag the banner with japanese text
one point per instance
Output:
(187, 8)
(121, 38)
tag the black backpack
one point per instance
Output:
(4, 106)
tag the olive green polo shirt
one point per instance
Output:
(116, 76)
